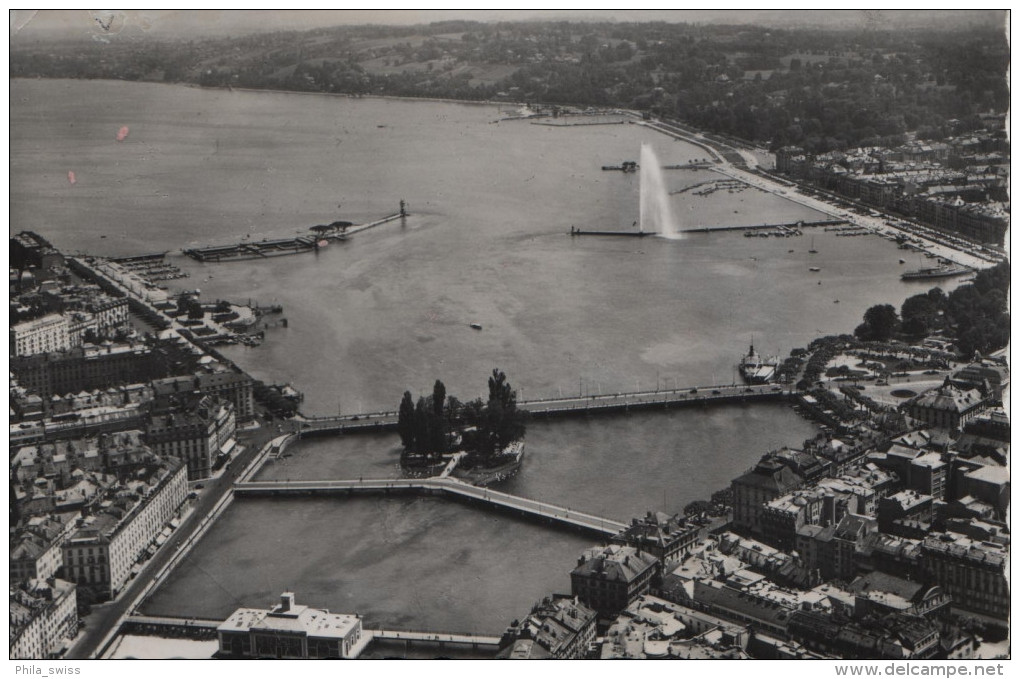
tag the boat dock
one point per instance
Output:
(255, 250)
(263, 249)
(749, 227)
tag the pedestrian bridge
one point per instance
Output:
(433, 637)
(534, 509)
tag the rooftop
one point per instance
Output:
(290, 617)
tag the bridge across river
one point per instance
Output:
(535, 509)
(440, 638)
(575, 406)
(206, 629)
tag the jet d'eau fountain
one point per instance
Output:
(656, 213)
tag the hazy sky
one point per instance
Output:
(57, 24)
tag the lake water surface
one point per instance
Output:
(487, 242)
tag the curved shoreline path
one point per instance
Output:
(792, 193)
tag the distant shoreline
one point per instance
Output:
(259, 90)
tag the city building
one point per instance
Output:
(558, 627)
(832, 550)
(51, 332)
(290, 631)
(36, 547)
(906, 513)
(896, 636)
(947, 407)
(972, 572)
(769, 479)
(228, 385)
(102, 552)
(658, 629)
(881, 593)
(43, 616)
(87, 367)
(990, 484)
(668, 538)
(988, 377)
(30, 250)
(609, 578)
(198, 435)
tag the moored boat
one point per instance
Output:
(757, 369)
(941, 271)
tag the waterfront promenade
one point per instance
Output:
(439, 485)
(741, 165)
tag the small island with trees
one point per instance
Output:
(486, 437)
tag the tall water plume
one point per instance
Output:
(656, 214)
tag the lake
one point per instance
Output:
(487, 242)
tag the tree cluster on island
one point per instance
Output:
(438, 424)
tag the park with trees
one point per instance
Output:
(975, 315)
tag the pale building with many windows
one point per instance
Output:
(101, 553)
(197, 436)
(43, 613)
(51, 332)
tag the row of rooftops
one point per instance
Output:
(618, 563)
(30, 598)
(863, 482)
(964, 548)
(548, 630)
(115, 513)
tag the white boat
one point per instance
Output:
(757, 369)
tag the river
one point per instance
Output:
(487, 242)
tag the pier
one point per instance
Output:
(253, 250)
(533, 509)
(631, 234)
(750, 227)
(584, 405)
(263, 249)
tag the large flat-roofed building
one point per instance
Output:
(101, 553)
(51, 332)
(988, 483)
(87, 367)
(290, 630)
